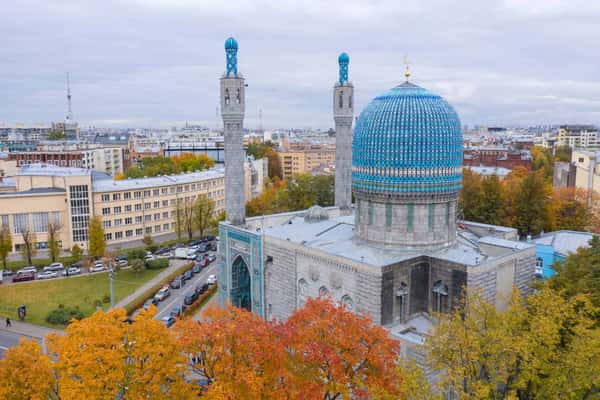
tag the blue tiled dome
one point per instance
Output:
(231, 44)
(344, 58)
(407, 144)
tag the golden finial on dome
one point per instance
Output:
(406, 68)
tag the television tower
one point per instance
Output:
(69, 111)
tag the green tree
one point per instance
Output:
(562, 153)
(5, 243)
(137, 266)
(56, 135)
(54, 228)
(204, 212)
(570, 210)
(543, 160)
(97, 241)
(76, 252)
(470, 197)
(274, 167)
(324, 187)
(491, 209)
(533, 205)
(301, 192)
(147, 240)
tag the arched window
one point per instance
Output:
(440, 297)
(350, 101)
(238, 97)
(226, 96)
(323, 291)
(402, 301)
(347, 301)
(341, 100)
(302, 292)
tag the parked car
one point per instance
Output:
(72, 271)
(47, 275)
(210, 238)
(213, 247)
(211, 280)
(23, 276)
(6, 272)
(177, 283)
(31, 268)
(181, 252)
(187, 275)
(55, 266)
(149, 257)
(122, 263)
(190, 298)
(77, 264)
(196, 268)
(204, 263)
(169, 321)
(194, 242)
(204, 248)
(163, 293)
(121, 258)
(178, 310)
(191, 254)
(212, 257)
(98, 267)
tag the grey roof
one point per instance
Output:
(8, 182)
(509, 244)
(118, 139)
(565, 242)
(33, 192)
(336, 236)
(110, 185)
(52, 170)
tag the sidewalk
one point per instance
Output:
(152, 282)
(29, 330)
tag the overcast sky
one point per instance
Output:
(143, 63)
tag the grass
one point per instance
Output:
(44, 296)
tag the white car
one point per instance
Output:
(162, 294)
(56, 266)
(47, 275)
(72, 271)
(97, 268)
(149, 257)
(31, 268)
(122, 263)
(211, 280)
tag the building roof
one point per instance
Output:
(488, 171)
(110, 185)
(52, 170)
(565, 242)
(33, 192)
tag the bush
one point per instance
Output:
(106, 299)
(63, 315)
(97, 303)
(159, 263)
(136, 253)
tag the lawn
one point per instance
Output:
(41, 297)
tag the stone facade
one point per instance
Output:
(343, 112)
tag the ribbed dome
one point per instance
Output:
(407, 144)
(344, 58)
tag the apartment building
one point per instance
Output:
(306, 159)
(578, 136)
(41, 194)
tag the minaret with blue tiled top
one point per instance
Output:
(343, 114)
(232, 111)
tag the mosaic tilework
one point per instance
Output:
(231, 48)
(407, 143)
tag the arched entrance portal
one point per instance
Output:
(240, 284)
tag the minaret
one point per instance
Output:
(343, 114)
(232, 111)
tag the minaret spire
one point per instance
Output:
(406, 68)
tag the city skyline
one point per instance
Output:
(156, 63)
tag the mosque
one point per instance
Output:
(400, 252)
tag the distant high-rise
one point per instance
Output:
(232, 111)
(343, 114)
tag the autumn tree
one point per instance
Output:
(273, 199)
(204, 212)
(274, 166)
(189, 162)
(137, 265)
(28, 248)
(301, 193)
(511, 187)
(27, 373)
(469, 200)
(5, 243)
(76, 252)
(491, 210)
(147, 240)
(533, 212)
(54, 227)
(570, 210)
(104, 356)
(97, 241)
(267, 150)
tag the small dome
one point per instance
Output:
(231, 44)
(344, 58)
(407, 143)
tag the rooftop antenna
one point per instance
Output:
(69, 111)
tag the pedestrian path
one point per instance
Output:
(152, 282)
(29, 330)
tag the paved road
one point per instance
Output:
(8, 339)
(177, 295)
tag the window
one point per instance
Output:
(323, 291)
(20, 222)
(165, 227)
(118, 222)
(105, 197)
(156, 204)
(172, 190)
(179, 189)
(147, 193)
(370, 213)
(388, 215)
(128, 221)
(157, 228)
(106, 211)
(156, 192)
(193, 186)
(148, 229)
(447, 214)
(128, 208)
(118, 235)
(127, 195)
(40, 222)
(108, 236)
(539, 266)
(137, 195)
(116, 196)
(187, 188)
(165, 203)
(156, 216)
(106, 223)
(172, 202)
(138, 207)
(138, 219)
(431, 216)
(409, 217)
(147, 206)
(440, 297)
(129, 233)
(165, 214)
(402, 301)
(164, 190)
(347, 301)
(117, 210)
(4, 220)
(148, 218)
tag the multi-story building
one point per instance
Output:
(41, 194)
(578, 136)
(587, 169)
(306, 158)
(496, 156)
(73, 154)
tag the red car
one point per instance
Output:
(204, 263)
(23, 276)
